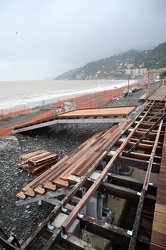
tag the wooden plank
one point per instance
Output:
(161, 200)
(160, 208)
(67, 223)
(44, 165)
(93, 161)
(159, 227)
(106, 112)
(161, 187)
(30, 192)
(39, 190)
(154, 246)
(45, 158)
(160, 217)
(61, 182)
(37, 158)
(158, 238)
(21, 195)
(162, 175)
(49, 185)
(26, 156)
(58, 172)
(25, 188)
(46, 175)
(30, 168)
(162, 181)
(138, 155)
(161, 193)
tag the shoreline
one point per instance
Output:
(97, 96)
(38, 93)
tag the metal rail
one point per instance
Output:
(146, 134)
(143, 193)
(70, 219)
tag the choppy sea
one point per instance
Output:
(36, 93)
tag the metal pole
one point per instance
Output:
(147, 93)
(128, 84)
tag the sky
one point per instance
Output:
(41, 39)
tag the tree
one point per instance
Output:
(162, 74)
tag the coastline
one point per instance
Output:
(98, 95)
(37, 93)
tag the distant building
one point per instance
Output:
(143, 71)
(129, 71)
(130, 65)
(135, 72)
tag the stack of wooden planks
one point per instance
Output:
(77, 163)
(37, 160)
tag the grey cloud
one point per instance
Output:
(41, 39)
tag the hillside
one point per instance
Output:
(121, 65)
(155, 58)
(66, 75)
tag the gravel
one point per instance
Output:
(60, 139)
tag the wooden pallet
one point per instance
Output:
(37, 160)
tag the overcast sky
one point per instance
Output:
(41, 39)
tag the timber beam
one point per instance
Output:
(130, 182)
(103, 229)
(121, 192)
(137, 163)
(111, 232)
(7, 245)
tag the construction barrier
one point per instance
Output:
(94, 100)
(6, 113)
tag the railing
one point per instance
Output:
(153, 86)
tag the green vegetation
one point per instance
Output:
(115, 66)
(163, 74)
(155, 58)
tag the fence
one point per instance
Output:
(6, 113)
(93, 100)
(153, 86)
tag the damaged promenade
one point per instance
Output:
(107, 184)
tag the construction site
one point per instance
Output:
(109, 191)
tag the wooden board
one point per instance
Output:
(37, 160)
(106, 112)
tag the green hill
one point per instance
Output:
(154, 58)
(116, 66)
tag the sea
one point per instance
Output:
(38, 93)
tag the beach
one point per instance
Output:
(39, 93)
